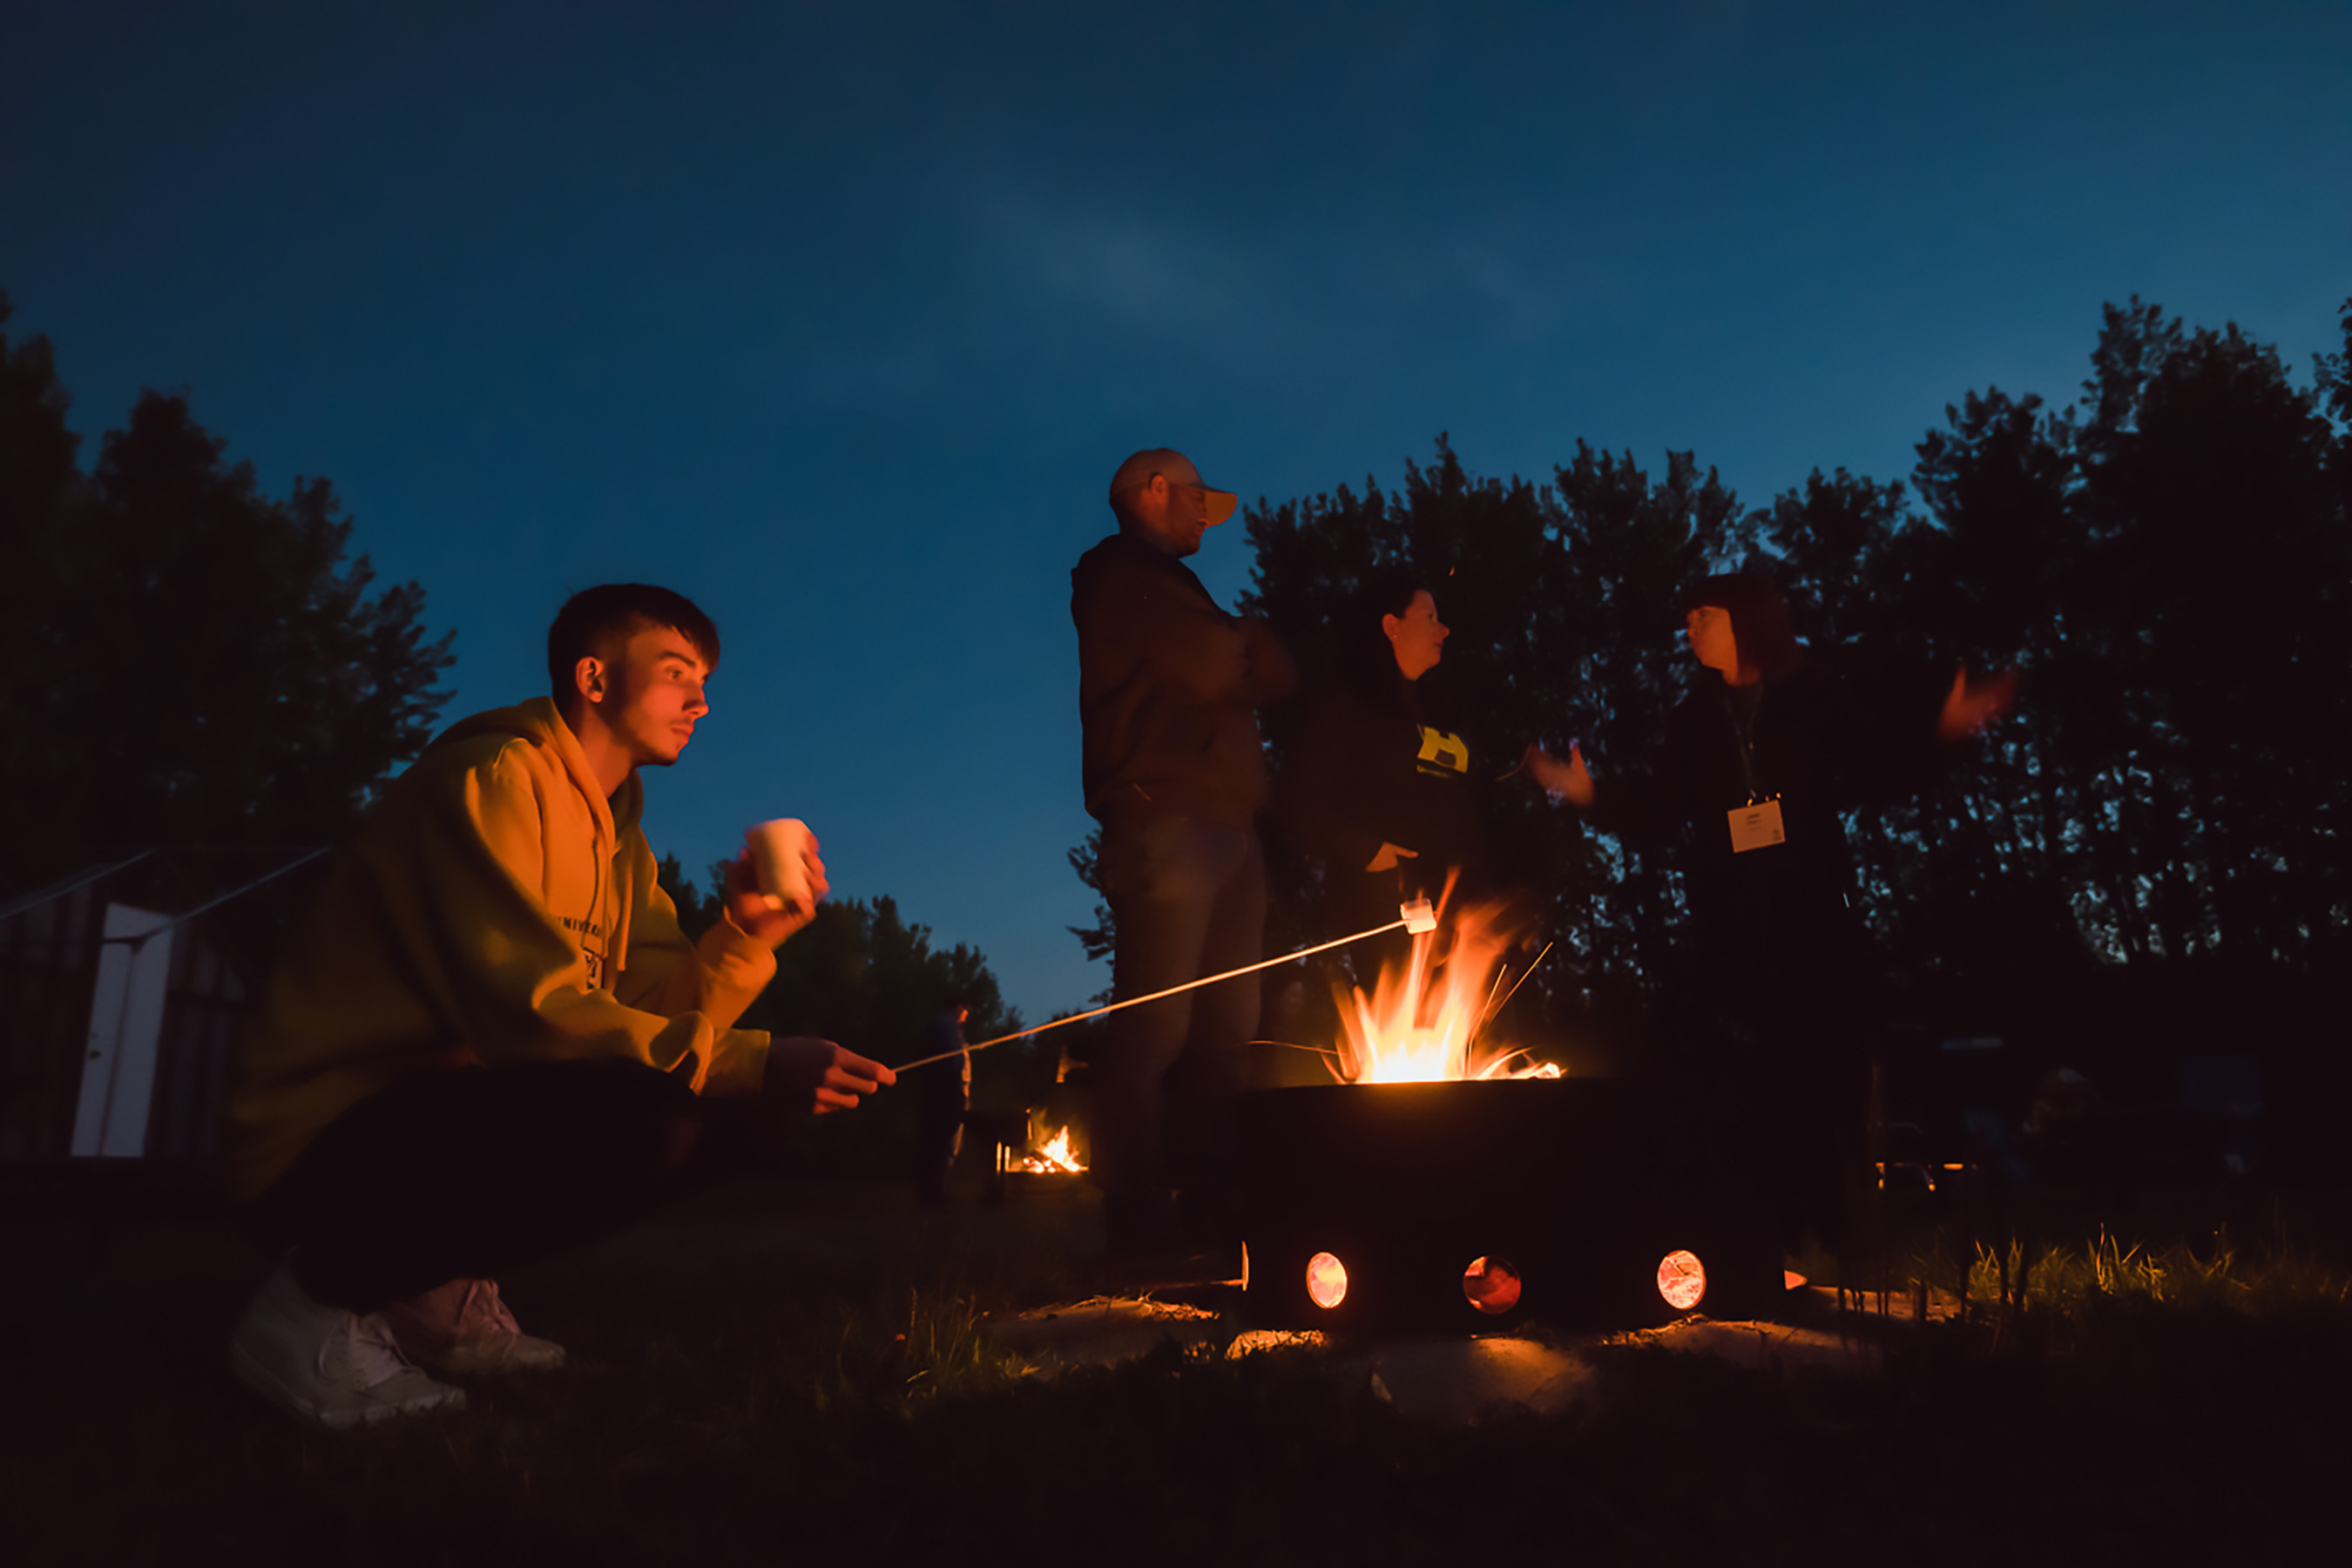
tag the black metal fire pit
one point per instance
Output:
(1475, 1204)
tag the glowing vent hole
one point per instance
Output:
(1327, 1280)
(1681, 1280)
(1491, 1284)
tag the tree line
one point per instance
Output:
(186, 659)
(2166, 560)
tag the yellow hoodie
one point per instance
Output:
(496, 909)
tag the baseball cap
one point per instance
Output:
(1179, 470)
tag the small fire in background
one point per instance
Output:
(1422, 1023)
(1055, 1156)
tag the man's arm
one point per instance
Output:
(502, 968)
(1273, 674)
(1201, 654)
(722, 974)
(718, 977)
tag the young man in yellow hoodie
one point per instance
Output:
(490, 1040)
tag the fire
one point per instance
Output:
(1422, 1023)
(1681, 1280)
(1053, 1155)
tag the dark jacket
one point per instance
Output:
(1168, 689)
(1818, 748)
(1373, 767)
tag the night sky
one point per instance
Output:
(838, 319)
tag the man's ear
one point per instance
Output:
(588, 677)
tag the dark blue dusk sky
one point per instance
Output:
(839, 318)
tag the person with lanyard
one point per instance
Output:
(1758, 767)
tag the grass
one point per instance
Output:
(790, 1369)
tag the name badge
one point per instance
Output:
(1756, 826)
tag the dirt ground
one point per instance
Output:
(902, 1385)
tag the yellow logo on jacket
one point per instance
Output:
(1442, 752)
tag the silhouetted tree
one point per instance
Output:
(861, 974)
(2169, 562)
(698, 908)
(1563, 603)
(186, 659)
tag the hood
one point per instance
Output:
(539, 722)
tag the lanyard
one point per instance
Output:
(1743, 729)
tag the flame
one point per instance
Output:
(1053, 1155)
(1422, 1023)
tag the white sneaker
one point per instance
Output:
(326, 1365)
(464, 1329)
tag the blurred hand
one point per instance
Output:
(806, 1073)
(1968, 708)
(1569, 781)
(1386, 860)
(750, 912)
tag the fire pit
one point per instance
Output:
(1475, 1204)
(1473, 1199)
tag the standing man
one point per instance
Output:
(490, 1039)
(1168, 689)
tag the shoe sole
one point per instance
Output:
(262, 1381)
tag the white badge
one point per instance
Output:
(1756, 825)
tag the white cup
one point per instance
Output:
(781, 852)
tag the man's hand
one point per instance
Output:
(1269, 671)
(1569, 781)
(1386, 860)
(750, 912)
(806, 1073)
(1968, 708)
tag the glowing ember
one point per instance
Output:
(1681, 1280)
(1491, 1284)
(1053, 1155)
(1327, 1280)
(1422, 1023)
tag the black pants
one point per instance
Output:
(1794, 1019)
(465, 1173)
(1189, 899)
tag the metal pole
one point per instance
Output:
(1411, 919)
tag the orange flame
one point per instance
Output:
(1422, 1022)
(1053, 1155)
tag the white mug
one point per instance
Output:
(780, 856)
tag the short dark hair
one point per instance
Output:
(1760, 620)
(592, 615)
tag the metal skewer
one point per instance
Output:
(1295, 1046)
(1414, 917)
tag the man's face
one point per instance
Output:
(1186, 519)
(653, 694)
(1173, 509)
